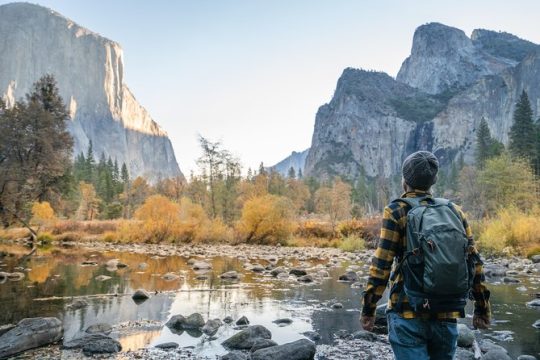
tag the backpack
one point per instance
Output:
(436, 267)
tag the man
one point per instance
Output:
(418, 332)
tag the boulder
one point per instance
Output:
(105, 345)
(232, 275)
(510, 280)
(535, 259)
(297, 272)
(101, 328)
(302, 349)
(305, 279)
(526, 357)
(493, 270)
(283, 322)
(211, 327)
(242, 321)
(201, 265)
(349, 276)
(496, 354)
(170, 276)
(5, 328)
(167, 346)
(279, 270)
(77, 304)
(258, 268)
(312, 335)
(140, 296)
(30, 333)
(465, 336)
(194, 321)
(262, 343)
(245, 339)
(228, 319)
(463, 354)
(15, 276)
(487, 345)
(364, 335)
(79, 342)
(234, 355)
(534, 303)
(337, 306)
(536, 324)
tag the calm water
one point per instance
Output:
(56, 275)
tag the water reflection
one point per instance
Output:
(56, 276)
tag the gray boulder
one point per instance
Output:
(496, 354)
(5, 328)
(78, 343)
(101, 328)
(77, 304)
(465, 336)
(104, 345)
(262, 344)
(283, 321)
(312, 335)
(140, 296)
(179, 322)
(349, 276)
(211, 327)
(279, 270)
(487, 345)
(535, 259)
(242, 321)
(463, 354)
(235, 355)
(167, 346)
(30, 333)
(202, 265)
(297, 272)
(245, 339)
(302, 349)
(305, 279)
(364, 335)
(526, 357)
(232, 275)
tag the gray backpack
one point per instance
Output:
(436, 267)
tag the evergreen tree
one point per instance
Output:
(262, 170)
(125, 175)
(522, 132)
(486, 146)
(292, 173)
(537, 157)
(90, 164)
(300, 175)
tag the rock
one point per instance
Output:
(140, 296)
(167, 346)
(211, 327)
(77, 304)
(496, 354)
(305, 279)
(510, 280)
(104, 345)
(302, 349)
(228, 319)
(465, 336)
(536, 324)
(487, 345)
(246, 338)
(283, 321)
(142, 266)
(101, 328)
(5, 328)
(258, 268)
(112, 263)
(337, 306)
(297, 272)
(234, 355)
(233, 275)
(312, 335)
(202, 265)
(121, 265)
(194, 321)
(493, 270)
(526, 357)
(170, 276)
(261, 344)
(30, 333)
(242, 321)
(463, 354)
(535, 259)
(102, 278)
(89, 263)
(364, 335)
(3, 276)
(534, 303)
(79, 342)
(15, 276)
(279, 270)
(350, 276)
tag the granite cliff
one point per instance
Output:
(442, 91)
(89, 70)
(296, 160)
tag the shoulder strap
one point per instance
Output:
(412, 201)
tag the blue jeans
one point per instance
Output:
(420, 339)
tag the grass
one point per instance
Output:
(352, 243)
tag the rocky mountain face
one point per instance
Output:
(89, 70)
(296, 160)
(441, 93)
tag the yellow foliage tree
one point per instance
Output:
(42, 212)
(161, 219)
(89, 204)
(266, 220)
(334, 201)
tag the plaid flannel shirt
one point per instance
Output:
(392, 243)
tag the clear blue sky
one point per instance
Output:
(252, 73)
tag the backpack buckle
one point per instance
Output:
(431, 244)
(416, 251)
(426, 305)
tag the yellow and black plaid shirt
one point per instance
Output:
(392, 243)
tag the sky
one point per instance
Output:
(252, 73)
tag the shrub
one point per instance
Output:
(214, 231)
(70, 236)
(266, 220)
(45, 238)
(316, 229)
(42, 213)
(352, 243)
(511, 228)
(161, 219)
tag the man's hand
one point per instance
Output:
(480, 321)
(367, 322)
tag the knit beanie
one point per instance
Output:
(420, 170)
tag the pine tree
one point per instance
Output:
(262, 170)
(300, 175)
(522, 134)
(90, 164)
(125, 175)
(292, 173)
(483, 143)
